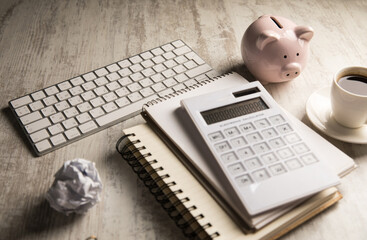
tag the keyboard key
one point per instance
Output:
(72, 133)
(23, 111)
(77, 81)
(113, 67)
(58, 139)
(146, 55)
(63, 95)
(51, 90)
(135, 59)
(21, 101)
(101, 72)
(60, 106)
(113, 76)
(182, 50)
(38, 125)
(198, 70)
(50, 100)
(89, 76)
(71, 112)
(109, 107)
(43, 145)
(55, 129)
(30, 117)
(64, 85)
(69, 123)
(157, 51)
(84, 117)
(48, 111)
(135, 97)
(101, 81)
(56, 118)
(124, 63)
(40, 135)
(97, 112)
(76, 90)
(40, 94)
(87, 127)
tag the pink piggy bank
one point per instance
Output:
(275, 49)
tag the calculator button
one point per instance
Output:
(300, 148)
(285, 128)
(236, 169)
(238, 142)
(262, 123)
(292, 138)
(244, 180)
(269, 158)
(245, 152)
(222, 147)
(269, 133)
(253, 163)
(285, 153)
(229, 157)
(261, 147)
(248, 127)
(231, 132)
(309, 159)
(277, 143)
(260, 175)
(277, 169)
(215, 136)
(254, 137)
(277, 119)
(293, 164)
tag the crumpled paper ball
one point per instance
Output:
(76, 187)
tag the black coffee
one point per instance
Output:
(354, 83)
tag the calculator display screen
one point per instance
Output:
(234, 110)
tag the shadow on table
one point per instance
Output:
(38, 221)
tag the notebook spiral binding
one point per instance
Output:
(187, 89)
(187, 225)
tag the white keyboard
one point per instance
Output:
(68, 111)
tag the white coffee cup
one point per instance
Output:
(349, 97)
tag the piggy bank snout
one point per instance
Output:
(291, 70)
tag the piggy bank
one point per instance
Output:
(275, 49)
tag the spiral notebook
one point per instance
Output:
(189, 204)
(166, 120)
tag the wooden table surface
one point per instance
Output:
(44, 42)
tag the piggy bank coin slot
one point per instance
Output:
(276, 22)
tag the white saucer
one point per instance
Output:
(318, 110)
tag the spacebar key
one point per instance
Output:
(123, 112)
(199, 70)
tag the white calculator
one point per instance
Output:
(263, 157)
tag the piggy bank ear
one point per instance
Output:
(304, 33)
(265, 38)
